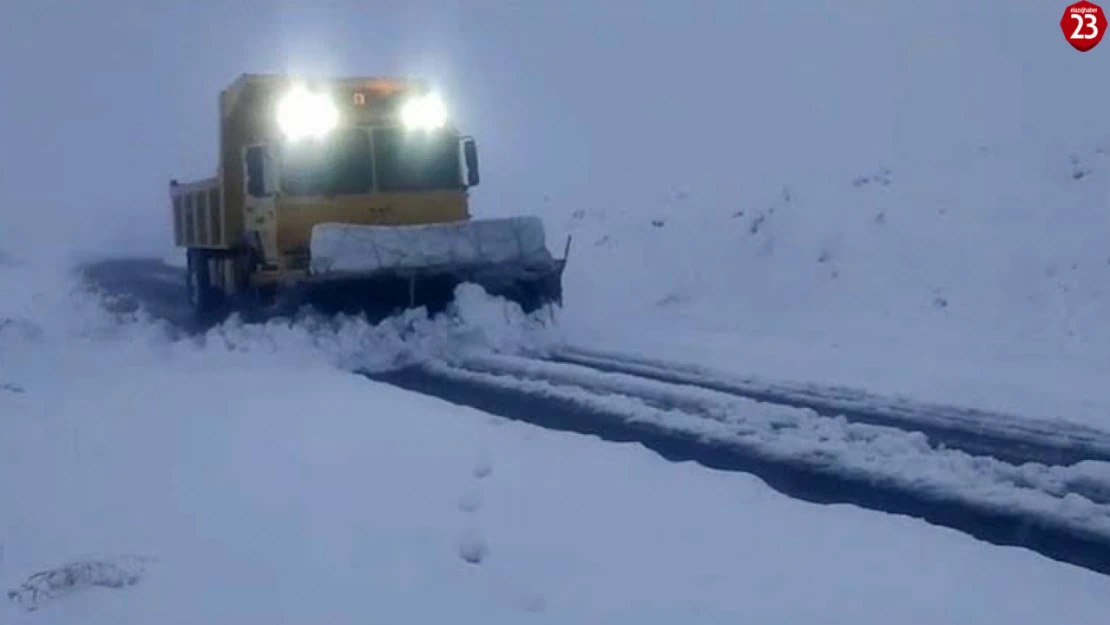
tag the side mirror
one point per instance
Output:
(470, 155)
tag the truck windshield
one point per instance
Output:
(345, 164)
(416, 161)
(337, 165)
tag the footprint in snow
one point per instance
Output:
(471, 501)
(482, 467)
(473, 548)
(532, 602)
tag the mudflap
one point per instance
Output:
(384, 294)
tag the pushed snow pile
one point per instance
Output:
(49, 315)
(475, 321)
(370, 249)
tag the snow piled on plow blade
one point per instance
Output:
(368, 267)
(347, 248)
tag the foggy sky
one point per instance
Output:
(611, 102)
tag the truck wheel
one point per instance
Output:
(204, 300)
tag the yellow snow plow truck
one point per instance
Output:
(350, 195)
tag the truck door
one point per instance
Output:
(259, 189)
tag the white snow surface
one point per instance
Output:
(344, 248)
(246, 476)
(837, 208)
(979, 278)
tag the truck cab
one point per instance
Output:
(372, 162)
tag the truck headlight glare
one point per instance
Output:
(424, 113)
(302, 113)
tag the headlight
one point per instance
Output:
(302, 113)
(424, 113)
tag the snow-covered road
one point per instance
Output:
(993, 476)
(156, 287)
(1061, 512)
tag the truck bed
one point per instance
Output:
(198, 219)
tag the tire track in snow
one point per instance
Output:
(979, 432)
(801, 454)
(784, 420)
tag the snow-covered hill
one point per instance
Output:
(983, 277)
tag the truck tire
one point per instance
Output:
(205, 302)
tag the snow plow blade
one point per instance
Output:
(378, 270)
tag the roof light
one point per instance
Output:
(424, 113)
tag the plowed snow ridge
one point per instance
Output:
(1072, 497)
